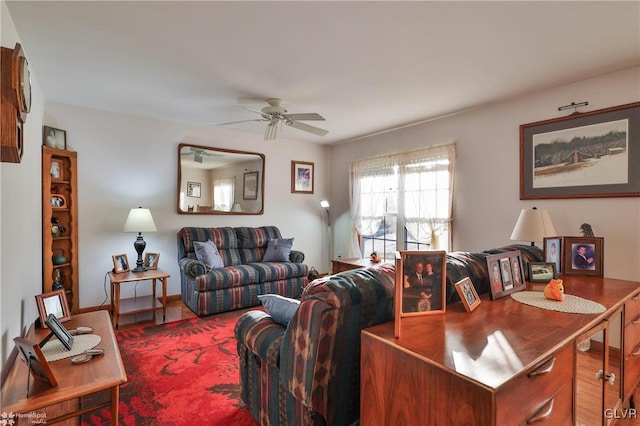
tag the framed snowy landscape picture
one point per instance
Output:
(583, 155)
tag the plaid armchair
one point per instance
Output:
(309, 372)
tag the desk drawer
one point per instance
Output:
(545, 391)
(632, 309)
(631, 355)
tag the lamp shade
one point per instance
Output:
(533, 225)
(140, 220)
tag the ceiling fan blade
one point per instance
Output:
(265, 116)
(305, 116)
(241, 121)
(307, 128)
(271, 130)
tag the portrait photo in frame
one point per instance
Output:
(420, 284)
(584, 256)
(542, 272)
(58, 202)
(57, 329)
(55, 170)
(586, 155)
(54, 138)
(54, 303)
(467, 293)
(120, 263)
(552, 249)
(194, 189)
(151, 260)
(302, 177)
(250, 186)
(506, 273)
(38, 366)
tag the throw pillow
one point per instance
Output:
(208, 254)
(279, 307)
(278, 250)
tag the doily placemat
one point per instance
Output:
(54, 351)
(571, 304)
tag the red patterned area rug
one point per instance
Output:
(180, 373)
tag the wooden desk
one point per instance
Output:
(505, 362)
(345, 264)
(137, 305)
(105, 372)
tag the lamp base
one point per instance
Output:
(139, 245)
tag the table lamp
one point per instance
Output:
(139, 220)
(533, 225)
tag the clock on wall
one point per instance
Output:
(15, 102)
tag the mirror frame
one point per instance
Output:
(223, 150)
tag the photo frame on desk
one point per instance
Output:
(151, 260)
(468, 295)
(542, 272)
(36, 361)
(506, 273)
(420, 284)
(59, 331)
(120, 263)
(584, 256)
(552, 249)
(54, 303)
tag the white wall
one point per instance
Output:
(20, 217)
(487, 172)
(126, 161)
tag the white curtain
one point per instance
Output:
(423, 180)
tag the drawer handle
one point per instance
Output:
(636, 321)
(636, 350)
(543, 413)
(545, 368)
(636, 297)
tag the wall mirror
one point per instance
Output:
(219, 181)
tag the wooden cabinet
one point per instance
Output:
(504, 363)
(631, 344)
(60, 223)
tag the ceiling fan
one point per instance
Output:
(276, 115)
(198, 154)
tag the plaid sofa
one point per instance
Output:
(244, 275)
(309, 372)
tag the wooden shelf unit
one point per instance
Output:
(65, 244)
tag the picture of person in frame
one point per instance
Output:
(122, 263)
(151, 260)
(552, 255)
(583, 257)
(515, 270)
(468, 294)
(507, 279)
(496, 279)
(422, 283)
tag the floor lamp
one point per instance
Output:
(325, 205)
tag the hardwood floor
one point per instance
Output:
(176, 310)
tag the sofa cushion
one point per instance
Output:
(279, 307)
(227, 277)
(278, 250)
(275, 271)
(208, 254)
(252, 242)
(223, 238)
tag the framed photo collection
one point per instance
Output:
(506, 274)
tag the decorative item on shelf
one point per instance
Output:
(140, 220)
(58, 280)
(56, 228)
(554, 290)
(56, 170)
(58, 202)
(54, 138)
(58, 257)
(533, 225)
(586, 230)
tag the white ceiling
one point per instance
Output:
(364, 66)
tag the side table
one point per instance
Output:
(141, 304)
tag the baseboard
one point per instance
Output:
(172, 298)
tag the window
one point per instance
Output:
(223, 190)
(402, 201)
